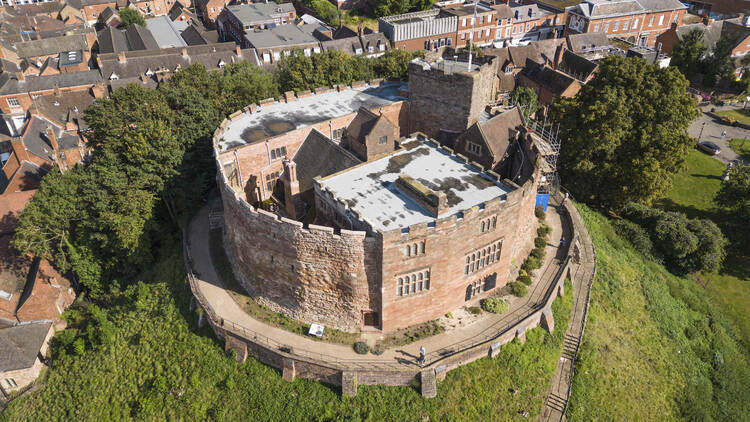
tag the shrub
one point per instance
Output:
(638, 237)
(475, 310)
(539, 213)
(378, 349)
(361, 348)
(540, 242)
(543, 231)
(531, 264)
(449, 315)
(518, 289)
(525, 279)
(495, 305)
(538, 253)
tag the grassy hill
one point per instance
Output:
(656, 348)
(148, 361)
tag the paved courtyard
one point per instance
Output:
(712, 132)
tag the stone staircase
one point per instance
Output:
(570, 346)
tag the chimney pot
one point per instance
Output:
(121, 57)
(52, 138)
(184, 52)
(20, 76)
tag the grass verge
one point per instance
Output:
(741, 115)
(741, 147)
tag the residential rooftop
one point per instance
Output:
(20, 345)
(281, 117)
(371, 191)
(259, 13)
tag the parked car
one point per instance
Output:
(709, 147)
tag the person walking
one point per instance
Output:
(422, 353)
(723, 134)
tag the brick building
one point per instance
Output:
(523, 23)
(413, 233)
(476, 23)
(736, 30)
(637, 21)
(235, 21)
(425, 30)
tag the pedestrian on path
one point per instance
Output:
(422, 353)
(723, 134)
(562, 242)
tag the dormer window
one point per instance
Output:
(509, 69)
(149, 72)
(221, 63)
(113, 77)
(515, 16)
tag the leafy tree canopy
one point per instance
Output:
(688, 53)
(396, 7)
(130, 16)
(526, 98)
(624, 135)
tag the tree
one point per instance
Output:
(394, 64)
(396, 7)
(688, 53)
(324, 10)
(719, 63)
(130, 16)
(625, 133)
(734, 194)
(526, 98)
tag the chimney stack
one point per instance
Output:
(52, 138)
(291, 186)
(99, 90)
(20, 76)
(184, 52)
(121, 57)
(238, 51)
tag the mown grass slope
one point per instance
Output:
(656, 348)
(148, 361)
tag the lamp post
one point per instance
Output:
(703, 126)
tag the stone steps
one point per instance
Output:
(429, 383)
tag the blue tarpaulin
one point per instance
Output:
(542, 200)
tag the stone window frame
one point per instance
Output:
(414, 249)
(488, 224)
(13, 102)
(271, 179)
(483, 257)
(383, 140)
(278, 153)
(474, 148)
(413, 283)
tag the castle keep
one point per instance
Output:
(339, 210)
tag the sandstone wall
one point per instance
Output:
(447, 244)
(311, 274)
(448, 101)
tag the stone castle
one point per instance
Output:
(341, 207)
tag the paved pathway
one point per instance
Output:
(558, 392)
(402, 358)
(712, 132)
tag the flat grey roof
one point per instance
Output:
(165, 32)
(255, 13)
(20, 345)
(280, 117)
(281, 36)
(371, 191)
(451, 66)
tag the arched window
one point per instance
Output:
(400, 287)
(482, 226)
(421, 247)
(494, 222)
(421, 276)
(414, 249)
(408, 250)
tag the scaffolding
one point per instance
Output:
(548, 142)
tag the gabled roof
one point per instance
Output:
(140, 38)
(49, 46)
(318, 156)
(193, 36)
(20, 345)
(374, 39)
(554, 81)
(42, 83)
(589, 41)
(112, 40)
(496, 133)
(576, 66)
(345, 45)
(361, 125)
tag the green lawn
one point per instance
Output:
(693, 193)
(741, 147)
(655, 349)
(154, 364)
(741, 115)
